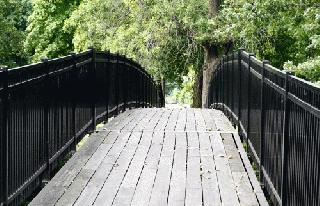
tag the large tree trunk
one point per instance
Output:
(197, 90)
(211, 60)
(211, 57)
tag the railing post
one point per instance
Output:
(149, 92)
(137, 83)
(5, 137)
(239, 86)
(144, 90)
(222, 83)
(249, 103)
(285, 143)
(107, 86)
(47, 174)
(227, 81)
(94, 96)
(216, 84)
(116, 80)
(73, 120)
(124, 88)
(232, 84)
(262, 132)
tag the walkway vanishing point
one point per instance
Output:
(158, 156)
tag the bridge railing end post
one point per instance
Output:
(4, 140)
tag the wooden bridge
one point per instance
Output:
(158, 157)
(150, 155)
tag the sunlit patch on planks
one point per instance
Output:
(158, 157)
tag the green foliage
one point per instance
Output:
(183, 93)
(13, 15)
(309, 70)
(278, 30)
(158, 34)
(46, 33)
(168, 36)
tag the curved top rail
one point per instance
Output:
(54, 103)
(278, 116)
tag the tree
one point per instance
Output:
(13, 15)
(171, 36)
(158, 34)
(46, 36)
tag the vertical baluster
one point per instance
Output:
(222, 83)
(249, 102)
(47, 174)
(262, 129)
(107, 85)
(74, 102)
(285, 142)
(94, 93)
(239, 86)
(124, 86)
(143, 91)
(137, 83)
(232, 83)
(227, 82)
(116, 81)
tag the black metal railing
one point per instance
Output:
(278, 116)
(46, 108)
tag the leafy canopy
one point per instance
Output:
(13, 20)
(167, 36)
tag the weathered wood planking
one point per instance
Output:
(157, 157)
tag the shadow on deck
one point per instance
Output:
(158, 157)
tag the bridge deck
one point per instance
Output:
(157, 157)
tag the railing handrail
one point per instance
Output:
(47, 107)
(269, 106)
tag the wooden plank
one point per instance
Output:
(209, 120)
(144, 122)
(127, 187)
(226, 184)
(74, 190)
(200, 122)
(119, 120)
(243, 187)
(107, 194)
(121, 123)
(62, 180)
(92, 189)
(191, 122)
(163, 121)
(182, 119)
(172, 122)
(210, 187)
(179, 173)
(250, 172)
(173, 157)
(143, 190)
(160, 189)
(150, 126)
(221, 121)
(193, 187)
(138, 117)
